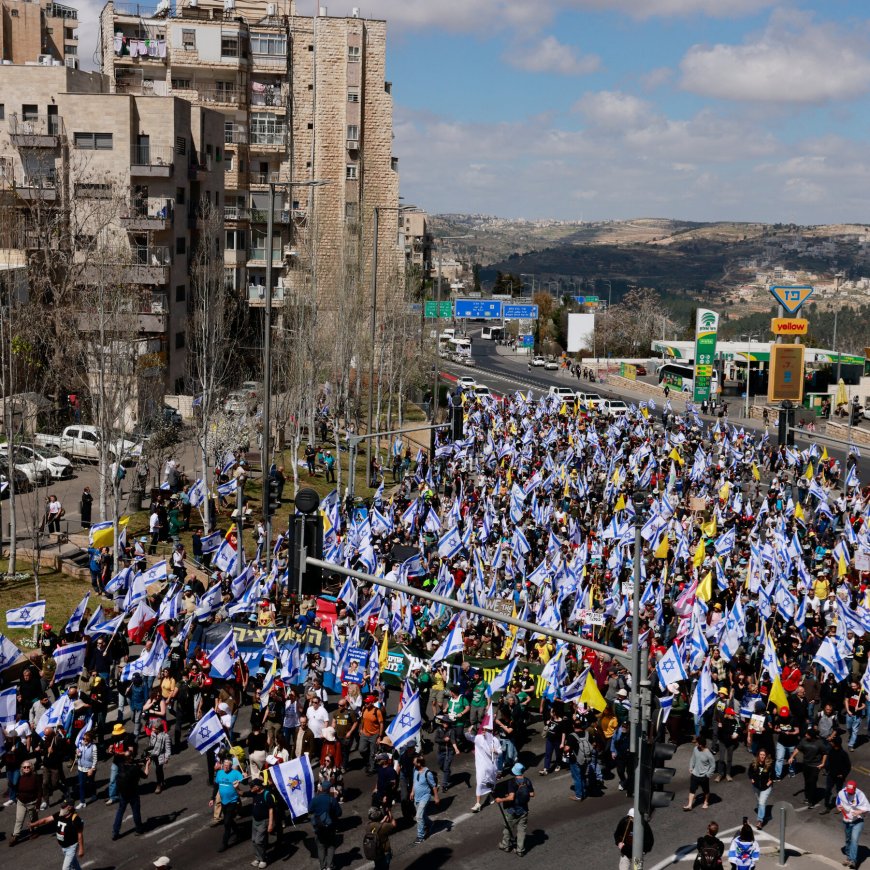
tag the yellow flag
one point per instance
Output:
(756, 474)
(675, 456)
(798, 511)
(748, 574)
(698, 558)
(509, 477)
(590, 694)
(842, 567)
(567, 490)
(709, 529)
(563, 409)
(615, 479)
(705, 588)
(809, 475)
(778, 696)
(106, 537)
(644, 412)
(661, 551)
(725, 491)
(824, 454)
(620, 504)
(384, 655)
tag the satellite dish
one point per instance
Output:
(307, 500)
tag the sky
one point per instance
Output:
(702, 110)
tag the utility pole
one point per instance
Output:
(639, 725)
(838, 278)
(266, 447)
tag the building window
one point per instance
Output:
(14, 13)
(218, 155)
(30, 112)
(180, 195)
(353, 132)
(188, 40)
(93, 191)
(70, 49)
(179, 340)
(351, 211)
(350, 171)
(2, 112)
(181, 245)
(93, 141)
(272, 44)
(353, 53)
(353, 96)
(180, 293)
(229, 46)
(180, 145)
(181, 84)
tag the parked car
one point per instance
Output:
(59, 466)
(551, 365)
(34, 469)
(539, 362)
(239, 402)
(565, 393)
(83, 442)
(480, 390)
(615, 406)
(466, 382)
(640, 369)
(22, 484)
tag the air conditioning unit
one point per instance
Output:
(355, 12)
(353, 144)
(229, 5)
(71, 62)
(271, 10)
(44, 60)
(193, 4)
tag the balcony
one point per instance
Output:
(235, 257)
(156, 214)
(131, 49)
(211, 96)
(235, 213)
(147, 264)
(199, 171)
(35, 131)
(257, 257)
(267, 140)
(235, 135)
(37, 188)
(261, 179)
(151, 161)
(269, 63)
(257, 295)
(153, 313)
(273, 96)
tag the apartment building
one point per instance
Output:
(417, 241)
(38, 31)
(305, 107)
(131, 168)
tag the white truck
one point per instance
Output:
(83, 442)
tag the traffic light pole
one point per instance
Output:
(638, 675)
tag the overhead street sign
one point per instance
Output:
(478, 309)
(520, 312)
(791, 298)
(438, 309)
(527, 341)
(789, 326)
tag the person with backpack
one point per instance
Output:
(129, 774)
(424, 790)
(710, 850)
(263, 804)
(743, 853)
(324, 812)
(516, 814)
(623, 837)
(577, 751)
(376, 840)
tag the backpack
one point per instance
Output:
(708, 858)
(322, 820)
(371, 844)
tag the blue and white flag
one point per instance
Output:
(109, 627)
(226, 559)
(149, 662)
(207, 733)
(450, 544)
(228, 488)
(170, 608)
(80, 737)
(725, 544)
(155, 574)
(224, 656)
(8, 706)
(348, 594)
(406, 726)
(451, 645)
(519, 543)
(26, 616)
(704, 695)
(211, 542)
(831, 660)
(502, 679)
(9, 653)
(74, 623)
(769, 659)
(59, 714)
(294, 781)
(70, 660)
(670, 668)
(196, 493)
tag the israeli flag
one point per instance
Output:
(149, 662)
(829, 658)
(109, 627)
(704, 695)
(406, 726)
(670, 668)
(155, 574)
(57, 715)
(451, 645)
(725, 544)
(769, 660)
(120, 581)
(9, 653)
(196, 493)
(74, 623)
(26, 616)
(294, 781)
(224, 656)
(226, 558)
(228, 488)
(520, 544)
(207, 733)
(211, 542)
(348, 594)
(170, 607)
(69, 660)
(80, 737)
(432, 523)
(450, 544)
(136, 593)
(697, 646)
(8, 706)
(502, 679)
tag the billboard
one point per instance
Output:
(520, 312)
(581, 332)
(706, 327)
(786, 373)
(478, 309)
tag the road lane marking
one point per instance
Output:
(164, 828)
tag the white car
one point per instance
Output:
(539, 362)
(480, 390)
(564, 393)
(466, 382)
(615, 406)
(551, 366)
(35, 470)
(239, 402)
(591, 400)
(58, 466)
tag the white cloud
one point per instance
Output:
(548, 55)
(795, 60)
(613, 110)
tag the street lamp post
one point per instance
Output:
(748, 338)
(638, 675)
(838, 278)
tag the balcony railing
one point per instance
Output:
(257, 294)
(264, 177)
(235, 136)
(209, 94)
(276, 61)
(153, 160)
(154, 214)
(273, 95)
(258, 255)
(139, 48)
(149, 255)
(35, 131)
(236, 213)
(268, 138)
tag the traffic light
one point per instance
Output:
(272, 500)
(305, 534)
(785, 435)
(458, 431)
(653, 777)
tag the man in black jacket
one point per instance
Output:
(623, 837)
(837, 767)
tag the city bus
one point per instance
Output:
(494, 333)
(682, 377)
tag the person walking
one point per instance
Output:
(623, 837)
(853, 805)
(28, 798)
(376, 841)
(227, 783)
(158, 753)
(86, 764)
(262, 821)
(424, 790)
(815, 752)
(487, 753)
(578, 750)
(70, 832)
(702, 766)
(710, 849)
(743, 853)
(129, 775)
(324, 812)
(516, 814)
(761, 776)
(837, 767)
(371, 730)
(447, 749)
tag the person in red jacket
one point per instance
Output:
(791, 676)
